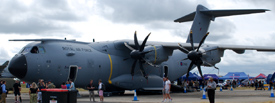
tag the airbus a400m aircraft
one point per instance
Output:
(125, 64)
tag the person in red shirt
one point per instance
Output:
(63, 86)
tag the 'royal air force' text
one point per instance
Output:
(76, 49)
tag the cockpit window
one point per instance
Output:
(25, 50)
(34, 50)
(38, 49)
(41, 49)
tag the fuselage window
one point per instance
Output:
(25, 50)
(34, 50)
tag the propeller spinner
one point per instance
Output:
(195, 55)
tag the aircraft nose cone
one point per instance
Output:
(18, 66)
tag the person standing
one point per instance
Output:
(33, 93)
(41, 85)
(211, 87)
(72, 87)
(68, 85)
(167, 89)
(50, 84)
(4, 92)
(270, 84)
(256, 85)
(260, 84)
(91, 89)
(100, 90)
(1, 90)
(163, 90)
(63, 86)
(16, 90)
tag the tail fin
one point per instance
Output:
(202, 17)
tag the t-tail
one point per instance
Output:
(203, 15)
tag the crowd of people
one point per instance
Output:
(210, 86)
(257, 84)
(191, 85)
(35, 91)
(36, 94)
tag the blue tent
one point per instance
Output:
(269, 76)
(272, 77)
(207, 76)
(192, 76)
(237, 75)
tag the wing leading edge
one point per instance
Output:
(174, 45)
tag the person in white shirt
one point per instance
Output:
(167, 88)
(100, 90)
(72, 87)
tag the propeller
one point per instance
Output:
(194, 55)
(138, 54)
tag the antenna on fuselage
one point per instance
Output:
(65, 38)
(93, 39)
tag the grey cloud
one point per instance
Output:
(42, 17)
(57, 10)
(267, 3)
(3, 56)
(221, 29)
(32, 25)
(140, 11)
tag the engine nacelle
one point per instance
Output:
(211, 55)
(158, 54)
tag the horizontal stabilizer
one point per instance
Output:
(219, 13)
(6, 63)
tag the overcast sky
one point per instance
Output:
(107, 20)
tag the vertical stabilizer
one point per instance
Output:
(200, 25)
(202, 16)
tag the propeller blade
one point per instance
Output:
(133, 68)
(184, 59)
(128, 46)
(125, 59)
(136, 41)
(150, 63)
(183, 49)
(143, 43)
(202, 41)
(189, 68)
(199, 68)
(211, 65)
(191, 39)
(142, 69)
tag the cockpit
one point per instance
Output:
(33, 50)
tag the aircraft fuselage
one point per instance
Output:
(109, 61)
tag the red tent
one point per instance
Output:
(260, 76)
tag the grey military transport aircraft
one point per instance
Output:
(125, 64)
